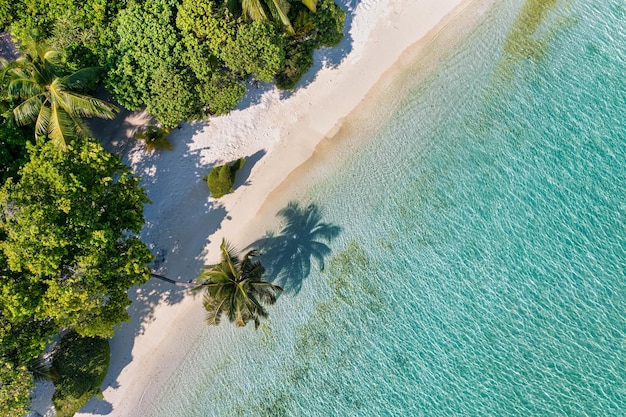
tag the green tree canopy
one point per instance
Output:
(15, 385)
(82, 29)
(234, 288)
(257, 49)
(13, 153)
(68, 229)
(149, 69)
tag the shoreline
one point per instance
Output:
(186, 226)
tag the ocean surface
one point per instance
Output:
(478, 264)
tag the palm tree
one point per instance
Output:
(234, 288)
(300, 240)
(46, 97)
(276, 10)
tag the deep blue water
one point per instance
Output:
(481, 264)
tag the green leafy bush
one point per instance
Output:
(221, 93)
(299, 58)
(15, 386)
(221, 179)
(80, 365)
(155, 137)
(257, 49)
(329, 20)
(171, 100)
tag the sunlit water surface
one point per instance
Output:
(481, 264)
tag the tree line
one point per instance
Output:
(181, 59)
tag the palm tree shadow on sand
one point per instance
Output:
(288, 255)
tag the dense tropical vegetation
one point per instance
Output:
(181, 59)
(69, 216)
(68, 248)
(234, 288)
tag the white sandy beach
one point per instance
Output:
(277, 132)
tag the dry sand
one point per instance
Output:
(277, 132)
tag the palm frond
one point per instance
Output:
(79, 126)
(214, 308)
(79, 104)
(280, 9)
(61, 129)
(51, 58)
(79, 78)
(253, 9)
(229, 257)
(214, 276)
(231, 287)
(27, 111)
(22, 87)
(43, 122)
(310, 4)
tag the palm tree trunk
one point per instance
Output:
(171, 281)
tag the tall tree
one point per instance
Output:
(68, 231)
(234, 288)
(50, 99)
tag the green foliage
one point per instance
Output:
(82, 29)
(257, 49)
(276, 11)
(80, 363)
(15, 386)
(221, 93)
(7, 13)
(204, 22)
(297, 62)
(155, 137)
(50, 100)
(329, 21)
(234, 288)
(313, 30)
(22, 340)
(148, 41)
(221, 179)
(69, 228)
(182, 60)
(13, 153)
(170, 99)
(206, 29)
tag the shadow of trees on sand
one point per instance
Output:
(288, 255)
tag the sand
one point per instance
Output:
(277, 132)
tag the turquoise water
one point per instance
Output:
(481, 264)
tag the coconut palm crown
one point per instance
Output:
(234, 288)
(49, 99)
